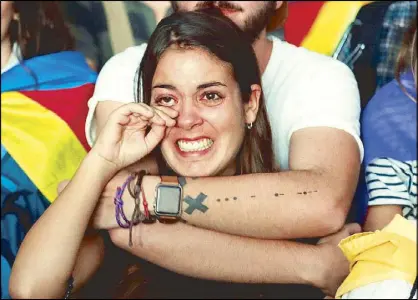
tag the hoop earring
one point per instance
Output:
(249, 125)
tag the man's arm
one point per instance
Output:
(312, 200)
(212, 255)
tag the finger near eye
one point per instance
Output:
(157, 119)
(172, 113)
(138, 108)
(169, 121)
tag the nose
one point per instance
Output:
(189, 116)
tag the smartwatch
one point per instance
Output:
(169, 198)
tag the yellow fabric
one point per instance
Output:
(41, 142)
(332, 21)
(403, 227)
(381, 255)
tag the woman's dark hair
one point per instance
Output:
(40, 28)
(407, 57)
(210, 30)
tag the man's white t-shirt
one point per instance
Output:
(301, 89)
(13, 58)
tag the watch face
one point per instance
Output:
(168, 200)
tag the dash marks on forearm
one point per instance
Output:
(306, 192)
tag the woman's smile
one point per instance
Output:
(197, 145)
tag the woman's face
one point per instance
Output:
(210, 126)
(6, 18)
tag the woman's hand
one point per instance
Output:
(125, 137)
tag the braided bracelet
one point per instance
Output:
(137, 215)
(119, 204)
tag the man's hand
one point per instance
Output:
(336, 266)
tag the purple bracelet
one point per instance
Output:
(119, 204)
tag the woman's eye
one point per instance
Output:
(211, 96)
(166, 101)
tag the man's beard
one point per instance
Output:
(254, 24)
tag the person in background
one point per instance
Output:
(105, 28)
(383, 259)
(44, 91)
(390, 135)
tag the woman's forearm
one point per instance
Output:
(213, 255)
(48, 254)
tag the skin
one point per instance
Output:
(203, 112)
(321, 159)
(7, 13)
(380, 216)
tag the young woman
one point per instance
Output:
(203, 110)
(44, 91)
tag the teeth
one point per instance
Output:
(200, 145)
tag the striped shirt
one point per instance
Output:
(393, 182)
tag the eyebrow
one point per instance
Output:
(209, 84)
(164, 86)
(201, 86)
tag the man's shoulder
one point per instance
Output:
(303, 65)
(130, 55)
(119, 75)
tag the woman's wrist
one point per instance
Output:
(105, 168)
(149, 183)
(148, 186)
